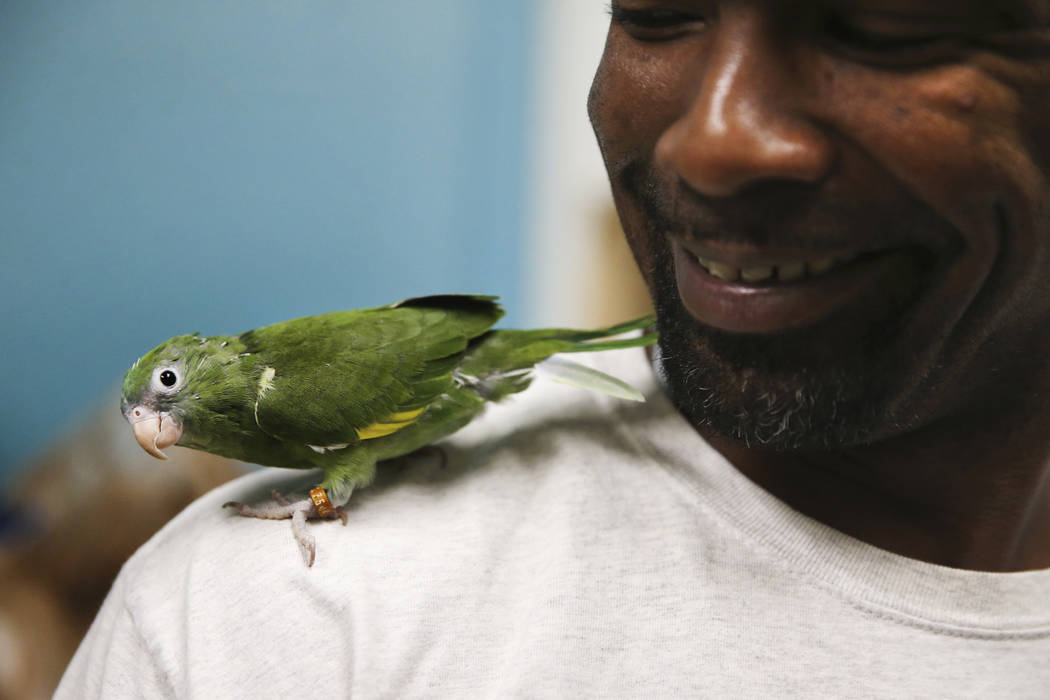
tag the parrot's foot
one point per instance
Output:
(299, 512)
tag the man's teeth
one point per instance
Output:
(786, 272)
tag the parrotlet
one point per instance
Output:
(343, 391)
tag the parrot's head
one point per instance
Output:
(162, 387)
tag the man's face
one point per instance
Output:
(839, 206)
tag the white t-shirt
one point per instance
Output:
(573, 545)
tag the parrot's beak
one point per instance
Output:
(154, 431)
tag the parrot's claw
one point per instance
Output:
(299, 512)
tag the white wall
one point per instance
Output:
(567, 191)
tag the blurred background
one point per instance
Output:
(217, 165)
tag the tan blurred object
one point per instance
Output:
(617, 291)
(92, 499)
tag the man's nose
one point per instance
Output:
(745, 123)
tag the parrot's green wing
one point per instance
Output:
(336, 379)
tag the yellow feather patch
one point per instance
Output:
(404, 416)
(390, 424)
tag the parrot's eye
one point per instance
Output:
(166, 380)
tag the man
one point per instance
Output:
(840, 210)
(886, 161)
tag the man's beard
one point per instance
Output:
(800, 390)
(838, 382)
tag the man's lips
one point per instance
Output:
(769, 291)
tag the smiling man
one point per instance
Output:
(841, 212)
(838, 484)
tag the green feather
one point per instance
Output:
(574, 374)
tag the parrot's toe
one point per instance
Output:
(280, 508)
(307, 546)
(266, 511)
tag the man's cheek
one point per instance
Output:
(960, 145)
(645, 241)
(995, 188)
(634, 99)
(949, 134)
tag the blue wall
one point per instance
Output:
(212, 166)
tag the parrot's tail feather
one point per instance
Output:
(574, 374)
(573, 334)
(500, 362)
(627, 326)
(623, 343)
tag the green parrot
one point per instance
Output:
(344, 390)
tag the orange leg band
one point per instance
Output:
(321, 502)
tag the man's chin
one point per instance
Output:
(812, 389)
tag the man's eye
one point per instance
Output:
(893, 38)
(654, 24)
